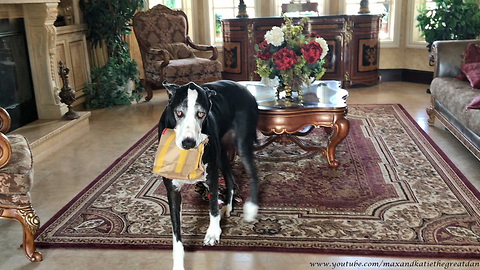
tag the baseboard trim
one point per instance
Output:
(406, 75)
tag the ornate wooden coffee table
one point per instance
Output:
(321, 106)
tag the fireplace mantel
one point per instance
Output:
(41, 34)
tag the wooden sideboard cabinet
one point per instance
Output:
(353, 43)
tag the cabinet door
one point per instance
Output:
(79, 60)
(72, 51)
(365, 49)
(235, 49)
(331, 28)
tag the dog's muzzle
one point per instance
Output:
(188, 143)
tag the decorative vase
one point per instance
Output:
(289, 90)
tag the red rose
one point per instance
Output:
(312, 35)
(263, 45)
(311, 52)
(284, 59)
(264, 54)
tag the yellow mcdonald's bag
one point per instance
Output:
(176, 163)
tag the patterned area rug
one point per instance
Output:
(394, 193)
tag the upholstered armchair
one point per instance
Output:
(166, 49)
(16, 177)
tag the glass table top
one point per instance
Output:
(320, 94)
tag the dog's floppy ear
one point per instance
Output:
(209, 92)
(171, 88)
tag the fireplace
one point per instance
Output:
(38, 17)
(16, 88)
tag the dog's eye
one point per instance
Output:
(200, 114)
(179, 113)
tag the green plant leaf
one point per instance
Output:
(449, 19)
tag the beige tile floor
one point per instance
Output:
(61, 175)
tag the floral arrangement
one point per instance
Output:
(286, 58)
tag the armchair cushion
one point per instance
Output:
(185, 70)
(175, 51)
(17, 176)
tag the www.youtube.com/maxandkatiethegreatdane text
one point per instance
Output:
(382, 264)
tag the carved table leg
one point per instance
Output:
(30, 224)
(340, 131)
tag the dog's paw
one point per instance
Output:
(213, 236)
(250, 211)
(226, 210)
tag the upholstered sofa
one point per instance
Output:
(451, 96)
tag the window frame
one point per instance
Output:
(210, 20)
(395, 23)
(413, 33)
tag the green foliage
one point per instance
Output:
(106, 89)
(170, 4)
(108, 21)
(449, 20)
(218, 23)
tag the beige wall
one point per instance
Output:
(403, 57)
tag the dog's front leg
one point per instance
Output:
(175, 205)
(213, 232)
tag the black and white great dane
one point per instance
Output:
(213, 109)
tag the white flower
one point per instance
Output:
(275, 36)
(273, 83)
(324, 46)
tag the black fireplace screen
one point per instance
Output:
(16, 89)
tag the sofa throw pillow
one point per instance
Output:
(472, 72)
(475, 104)
(470, 55)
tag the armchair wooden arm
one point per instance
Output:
(203, 48)
(164, 53)
(5, 120)
(5, 148)
(149, 50)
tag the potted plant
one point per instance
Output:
(108, 22)
(449, 20)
